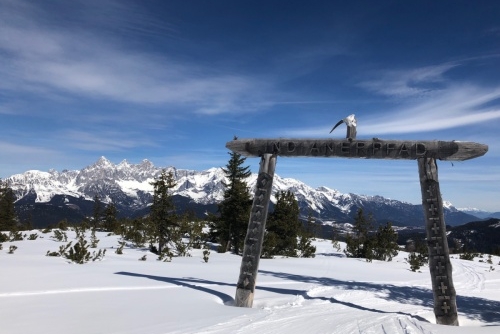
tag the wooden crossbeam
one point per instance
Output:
(359, 148)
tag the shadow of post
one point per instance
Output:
(189, 283)
(475, 308)
(471, 307)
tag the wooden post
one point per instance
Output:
(445, 300)
(245, 288)
(351, 132)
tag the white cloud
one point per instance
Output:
(422, 107)
(30, 157)
(9, 150)
(40, 59)
(102, 141)
(408, 83)
(455, 106)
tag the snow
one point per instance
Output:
(469, 209)
(448, 205)
(130, 187)
(327, 294)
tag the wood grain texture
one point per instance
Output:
(445, 298)
(245, 287)
(366, 149)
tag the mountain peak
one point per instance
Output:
(146, 164)
(124, 163)
(103, 162)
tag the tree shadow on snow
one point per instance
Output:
(189, 283)
(472, 307)
(339, 255)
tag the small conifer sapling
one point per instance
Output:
(12, 248)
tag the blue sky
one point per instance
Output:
(173, 81)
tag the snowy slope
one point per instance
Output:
(326, 294)
(476, 212)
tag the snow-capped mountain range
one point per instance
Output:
(129, 187)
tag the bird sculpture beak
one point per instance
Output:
(340, 122)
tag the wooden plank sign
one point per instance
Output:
(356, 148)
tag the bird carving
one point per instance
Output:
(350, 121)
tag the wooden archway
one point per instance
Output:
(425, 152)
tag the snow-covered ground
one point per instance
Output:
(326, 294)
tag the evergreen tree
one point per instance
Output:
(97, 212)
(386, 245)
(231, 226)
(379, 246)
(137, 230)
(335, 238)
(110, 221)
(359, 244)
(285, 234)
(163, 220)
(304, 246)
(419, 256)
(285, 224)
(8, 217)
(311, 226)
(192, 227)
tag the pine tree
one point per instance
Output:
(8, 217)
(304, 245)
(163, 220)
(386, 245)
(419, 257)
(137, 231)
(311, 226)
(285, 234)
(231, 226)
(110, 221)
(97, 212)
(335, 241)
(359, 244)
(284, 223)
(191, 226)
(379, 246)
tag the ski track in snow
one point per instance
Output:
(283, 318)
(111, 289)
(326, 305)
(82, 290)
(472, 280)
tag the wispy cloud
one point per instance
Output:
(104, 140)
(421, 105)
(453, 107)
(39, 59)
(10, 150)
(30, 157)
(408, 83)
